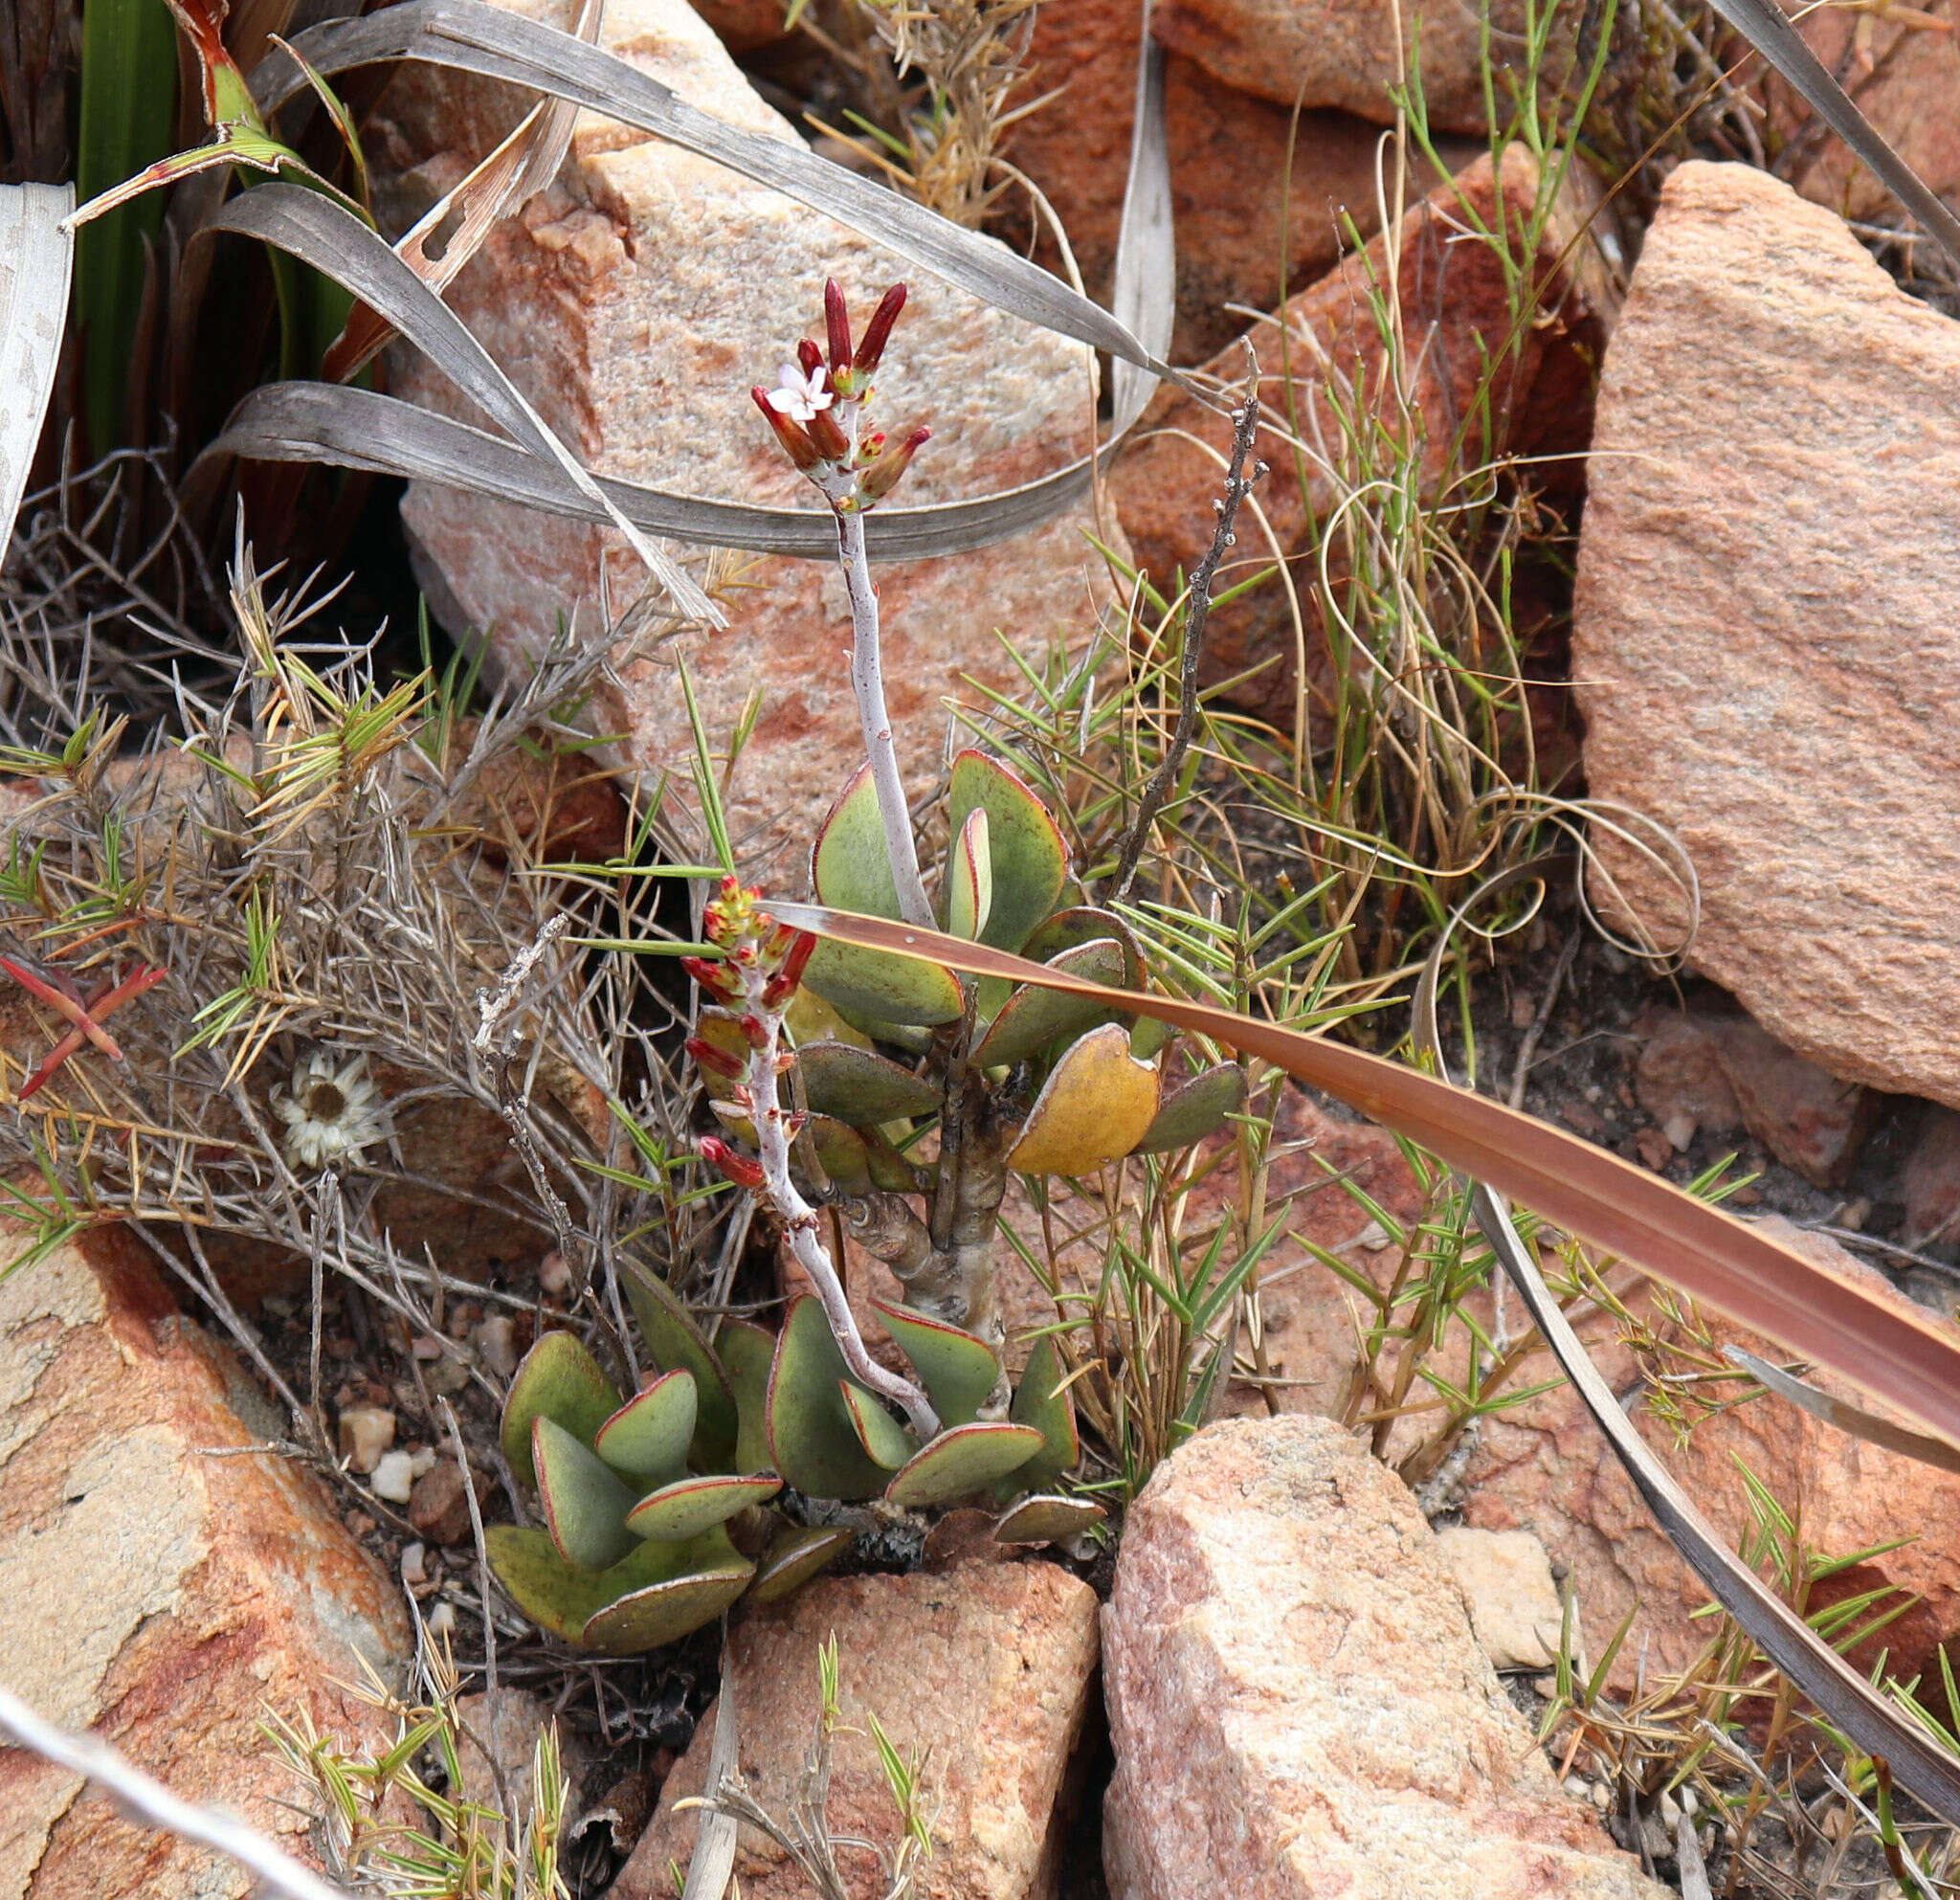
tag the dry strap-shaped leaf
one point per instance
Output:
(1766, 28)
(1844, 1696)
(337, 244)
(1848, 1419)
(36, 257)
(1711, 1255)
(359, 428)
(504, 180)
(1144, 293)
(712, 1865)
(469, 35)
(144, 1796)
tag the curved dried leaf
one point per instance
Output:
(37, 259)
(470, 36)
(1850, 1419)
(1047, 1518)
(340, 246)
(1094, 1107)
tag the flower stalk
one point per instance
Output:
(817, 411)
(762, 963)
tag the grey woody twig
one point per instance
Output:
(150, 1801)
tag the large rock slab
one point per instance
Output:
(1350, 53)
(1542, 1466)
(1762, 639)
(991, 1666)
(636, 302)
(1232, 198)
(1457, 312)
(162, 1596)
(1298, 1706)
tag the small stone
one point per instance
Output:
(1655, 1148)
(428, 1349)
(422, 1460)
(439, 1505)
(495, 1342)
(1930, 1180)
(554, 1275)
(415, 1564)
(1506, 1579)
(365, 1433)
(395, 1477)
(442, 1620)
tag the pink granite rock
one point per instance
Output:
(1761, 633)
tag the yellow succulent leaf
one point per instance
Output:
(1096, 1105)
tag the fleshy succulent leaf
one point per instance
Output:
(648, 1436)
(557, 1379)
(849, 865)
(885, 1441)
(690, 1505)
(1094, 1105)
(1047, 1518)
(970, 878)
(699, 1581)
(813, 1441)
(962, 1461)
(958, 1370)
(720, 1029)
(1031, 1019)
(860, 1087)
(875, 987)
(1147, 1036)
(1194, 1109)
(584, 1502)
(1029, 856)
(675, 1344)
(1042, 1400)
(747, 1351)
(796, 1554)
(1085, 923)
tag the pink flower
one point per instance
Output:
(799, 394)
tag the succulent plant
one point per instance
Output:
(650, 1504)
(1020, 1079)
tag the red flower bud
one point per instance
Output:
(877, 332)
(753, 1027)
(719, 1061)
(827, 438)
(837, 322)
(794, 438)
(810, 355)
(737, 1167)
(798, 959)
(884, 473)
(713, 977)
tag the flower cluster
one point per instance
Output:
(817, 409)
(333, 1112)
(762, 963)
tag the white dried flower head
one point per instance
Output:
(333, 1112)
